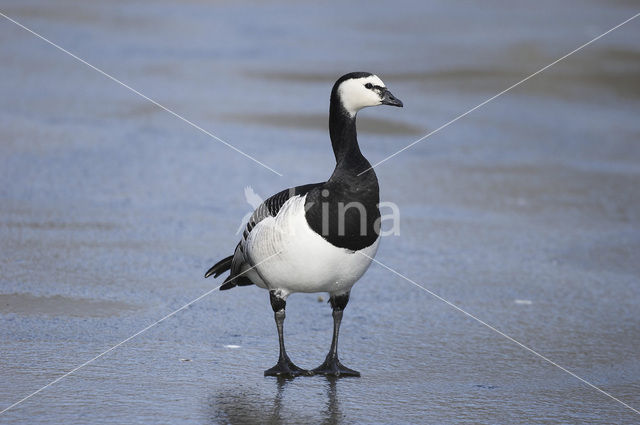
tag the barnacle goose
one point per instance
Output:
(315, 234)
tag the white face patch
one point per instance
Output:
(355, 95)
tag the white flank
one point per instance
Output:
(306, 262)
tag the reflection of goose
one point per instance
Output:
(308, 238)
(244, 406)
(334, 414)
(247, 407)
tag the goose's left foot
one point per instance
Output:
(333, 367)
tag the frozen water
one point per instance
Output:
(111, 210)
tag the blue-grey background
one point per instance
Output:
(524, 213)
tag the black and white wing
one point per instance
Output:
(238, 262)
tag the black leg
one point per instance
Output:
(285, 367)
(332, 365)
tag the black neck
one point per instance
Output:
(342, 129)
(325, 210)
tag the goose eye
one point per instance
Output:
(369, 85)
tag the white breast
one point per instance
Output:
(305, 261)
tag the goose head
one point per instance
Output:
(358, 90)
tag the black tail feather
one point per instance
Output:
(233, 281)
(220, 267)
(229, 283)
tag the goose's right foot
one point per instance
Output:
(285, 368)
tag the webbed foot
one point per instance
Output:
(286, 369)
(333, 367)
